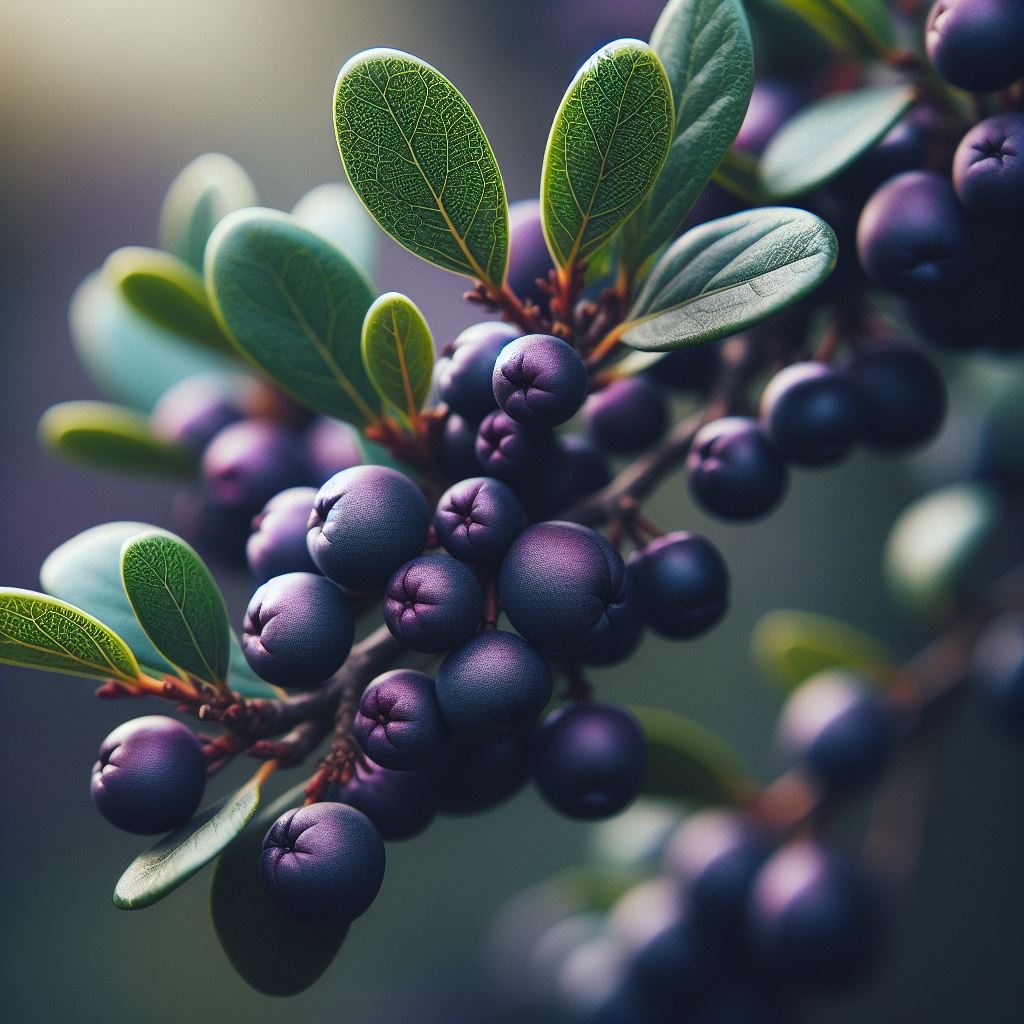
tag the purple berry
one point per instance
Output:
(528, 256)
(399, 723)
(464, 371)
(475, 777)
(458, 448)
(196, 409)
(401, 804)
(977, 45)
(277, 544)
(627, 415)
(509, 450)
(332, 446)
(539, 380)
(477, 519)
(988, 169)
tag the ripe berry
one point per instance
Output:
(366, 522)
(528, 256)
(218, 532)
(323, 862)
(492, 687)
(399, 723)
(477, 519)
(458, 448)
(587, 465)
(150, 775)
(433, 604)
(509, 450)
(474, 777)
(297, 630)
(988, 169)
(332, 446)
(626, 623)
(682, 584)
(277, 544)
(812, 413)
(561, 587)
(733, 469)
(977, 45)
(400, 803)
(464, 372)
(196, 409)
(627, 415)
(589, 760)
(997, 668)
(772, 104)
(539, 380)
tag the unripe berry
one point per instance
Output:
(477, 519)
(464, 372)
(277, 544)
(627, 415)
(399, 723)
(539, 380)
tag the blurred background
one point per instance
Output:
(102, 103)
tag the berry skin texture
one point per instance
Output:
(277, 544)
(812, 413)
(492, 687)
(539, 380)
(510, 450)
(589, 760)
(588, 468)
(458, 448)
(902, 394)
(401, 804)
(464, 372)
(433, 604)
(627, 416)
(814, 919)
(399, 723)
(561, 587)
(988, 169)
(838, 728)
(323, 862)
(150, 775)
(977, 45)
(366, 522)
(475, 777)
(297, 630)
(912, 237)
(528, 256)
(997, 669)
(682, 584)
(477, 520)
(734, 471)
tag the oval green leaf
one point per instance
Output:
(204, 192)
(293, 304)
(178, 856)
(39, 631)
(729, 274)
(106, 436)
(823, 139)
(708, 55)
(398, 352)
(272, 952)
(859, 25)
(419, 160)
(607, 145)
(334, 211)
(178, 604)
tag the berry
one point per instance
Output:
(277, 544)
(997, 668)
(150, 775)
(627, 415)
(433, 604)
(324, 862)
(509, 450)
(912, 236)
(837, 726)
(477, 519)
(196, 409)
(458, 448)
(561, 587)
(902, 395)
(588, 468)
(464, 372)
(626, 629)
(492, 687)
(692, 368)
(475, 777)
(218, 532)
(332, 446)
(772, 104)
(977, 45)
(399, 723)
(539, 380)
(905, 147)
(528, 256)
(733, 469)
(988, 169)
(401, 804)
(682, 584)
(297, 630)
(366, 522)
(812, 413)
(589, 760)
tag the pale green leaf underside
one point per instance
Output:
(39, 631)
(848, 24)
(398, 352)
(730, 274)
(419, 160)
(826, 137)
(707, 52)
(607, 144)
(178, 604)
(294, 304)
(177, 857)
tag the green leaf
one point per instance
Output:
(334, 211)
(607, 145)
(708, 56)
(686, 761)
(791, 646)
(860, 25)
(204, 192)
(166, 290)
(398, 352)
(823, 139)
(738, 175)
(178, 604)
(274, 953)
(419, 160)
(726, 275)
(86, 571)
(38, 631)
(178, 856)
(293, 304)
(111, 437)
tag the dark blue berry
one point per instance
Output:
(539, 380)
(528, 256)
(400, 803)
(475, 777)
(626, 626)
(332, 446)
(277, 544)
(399, 723)
(977, 45)
(218, 532)
(627, 415)
(509, 450)
(196, 409)
(772, 104)
(588, 467)
(997, 669)
(477, 519)
(464, 371)
(458, 448)
(988, 169)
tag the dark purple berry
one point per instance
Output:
(477, 519)
(332, 446)
(323, 862)
(627, 415)
(401, 804)
(196, 409)
(366, 522)
(772, 104)
(626, 623)
(464, 371)
(509, 450)
(977, 45)
(588, 467)
(277, 544)
(458, 448)
(988, 169)
(218, 532)
(528, 256)
(150, 775)
(298, 630)
(475, 777)
(539, 380)
(997, 669)
(399, 723)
